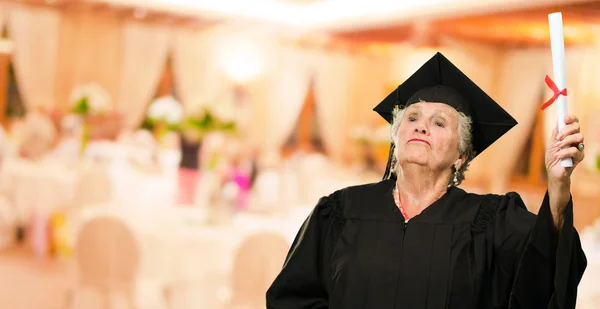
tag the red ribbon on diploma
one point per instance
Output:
(554, 89)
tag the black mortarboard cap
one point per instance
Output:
(438, 80)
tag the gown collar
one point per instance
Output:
(376, 202)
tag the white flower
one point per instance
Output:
(98, 99)
(166, 108)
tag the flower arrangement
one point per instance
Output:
(164, 115)
(208, 122)
(213, 133)
(89, 99)
(166, 110)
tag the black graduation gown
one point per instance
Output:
(463, 251)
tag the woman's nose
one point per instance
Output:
(421, 129)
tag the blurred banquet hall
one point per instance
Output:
(164, 154)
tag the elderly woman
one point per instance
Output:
(416, 240)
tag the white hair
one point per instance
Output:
(465, 145)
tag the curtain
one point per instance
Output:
(371, 85)
(4, 13)
(588, 104)
(145, 49)
(89, 52)
(199, 79)
(35, 33)
(333, 97)
(289, 82)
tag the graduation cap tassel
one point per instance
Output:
(388, 167)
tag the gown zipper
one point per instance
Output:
(397, 303)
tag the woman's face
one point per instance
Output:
(428, 135)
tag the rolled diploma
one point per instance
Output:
(560, 72)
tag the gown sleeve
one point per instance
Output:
(303, 282)
(541, 265)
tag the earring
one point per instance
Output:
(456, 177)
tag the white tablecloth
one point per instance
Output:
(47, 185)
(38, 187)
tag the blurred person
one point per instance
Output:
(254, 166)
(416, 240)
(70, 138)
(240, 174)
(36, 135)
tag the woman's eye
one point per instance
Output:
(439, 124)
(412, 119)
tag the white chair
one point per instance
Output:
(256, 264)
(108, 259)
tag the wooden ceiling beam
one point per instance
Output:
(519, 28)
(118, 11)
(588, 12)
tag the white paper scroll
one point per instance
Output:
(560, 72)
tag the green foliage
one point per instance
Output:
(151, 124)
(82, 107)
(208, 122)
(147, 125)
(85, 138)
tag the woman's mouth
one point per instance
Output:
(419, 140)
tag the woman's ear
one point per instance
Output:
(457, 164)
(460, 161)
